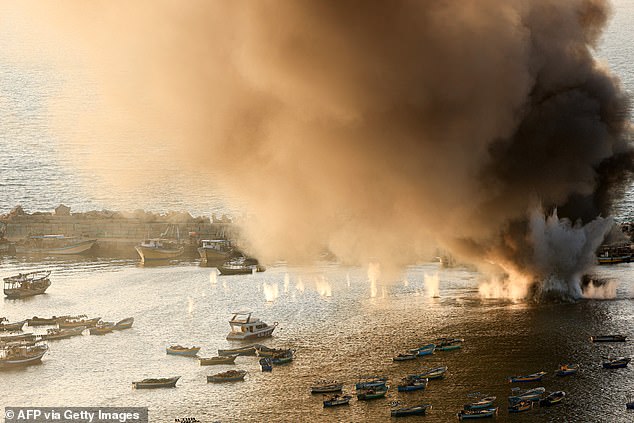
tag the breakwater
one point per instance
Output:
(116, 232)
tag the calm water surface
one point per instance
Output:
(340, 331)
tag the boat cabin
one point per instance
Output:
(244, 322)
(220, 245)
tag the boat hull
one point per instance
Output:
(72, 249)
(36, 358)
(326, 389)
(221, 379)
(168, 383)
(12, 327)
(334, 402)
(75, 324)
(246, 336)
(410, 411)
(191, 352)
(250, 350)
(158, 254)
(217, 360)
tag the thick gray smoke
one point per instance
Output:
(380, 128)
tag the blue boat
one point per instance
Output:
(567, 369)
(534, 377)
(412, 385)
(336, 400)
(424, 350)
(527, 395)
(485, 402)
(477, 414)
(616, 363)
(266, 364)
(552, 399)
(371, 383)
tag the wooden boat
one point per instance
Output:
(55, 334)
(156, 383)
(337, 400)
(521, 406)
(424, 350)
(404, 357)
(22, 337)
(527, 395)
(43, 321)
(616, 362)
(449, 347)
(417, 410)
(157, 249)
(436, 373)
(371, 393)
(266, 364)
(229, 376)
(211, 361)
(477, 414)
(324, 386)
(534, 377)
(76, 321)
(284, 358)
(567, 369)
(264, 351)
(101, 328)
(412, 385)
(613, 254)
(448, 344)
(241, 266)
(371, 382)
(244, 327)
(485, 402)
(27, 284)
(629, 403)
(180, 350)
(215, 250)
(11, 327)
(124, 324)
(608, 338)
(12, 356)
(552, 399)
(54, 245)
(248, 350)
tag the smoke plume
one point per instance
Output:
(376, 129)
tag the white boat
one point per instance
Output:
(244, 327)
(215, 250)
(158, 249)
(54, 244)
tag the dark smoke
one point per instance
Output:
(382, 128)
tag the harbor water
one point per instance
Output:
(341, 323)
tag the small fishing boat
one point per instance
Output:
(608, 338)
(485, 402)
(248, 350)
(424, 350)
(409, 385)
(526, 395)
(215, 250)
(21, 355)
(180, 350)
(124, 324)
(76, 321)
(534, 377)
(55, 334)
(158, 249)
(370, 382)
(54, 244)
(11, 327)
(283, 358)
(567, 369)
(43, 321)
(324, 386)
(264, 351)
(448, 347)
(241, 266)
(156, 383)
(404, 357)
(27, 284)
(245, 327)
(16, 338)
(552, 399)
(266, 364)
(417, 410)
(336, 400)
(436, 373)
(102, 328)
(521, 406)
(229, 376)
(477, 414)
(211, 361)
(372, 393)
(448, 344)
(616, 362)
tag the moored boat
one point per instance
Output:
(567, 369)
(477, 414)
(240, 266)
(27, 284)
(76, 321)
(156, 383)
(157, 249)
(323, 386)
(101, 328)
(614, 254)
(44, 321)
(244, 326)
(372, 393)
(416, 410)
(521, 406)
(616, 362)
(436, 373)
(534, 377)
(415, 384)
(424, 350)
(608, 338)
(266, 364)
(448, 344)
(248, 350)
(21, 337)
(283, 358)
(211, 361)
(526, 395)
(264, 351)
(5, 326)
(54, 245)
(55, 334)
(214, 250)
(485, 402)
(336, 400)
(229, 376)
(124, 323)
(371, 382)
(25, 355)
(404, 357)
(180, 350)
(552, 399)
